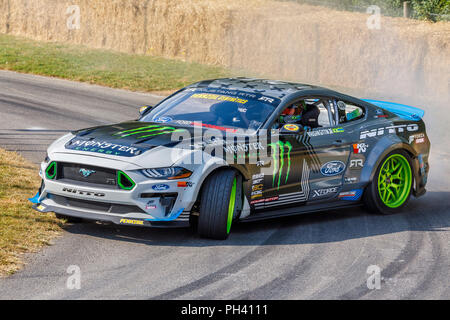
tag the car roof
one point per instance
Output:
(274, 88)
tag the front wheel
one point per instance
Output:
(391, 185)
(220, 203)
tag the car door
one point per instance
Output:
(303, 164)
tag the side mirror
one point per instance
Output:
(291, 128)
(144, 109)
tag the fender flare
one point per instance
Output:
(382, 148)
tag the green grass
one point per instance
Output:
(22, 229)
(103, 67)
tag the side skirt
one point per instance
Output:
(292, 211)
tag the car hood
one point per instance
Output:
(140, 144)
(126, 139)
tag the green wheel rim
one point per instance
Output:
(394, 181)
(231, 205)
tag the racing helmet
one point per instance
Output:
(292, 114)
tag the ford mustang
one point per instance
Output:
(238, 149)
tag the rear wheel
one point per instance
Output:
(391, 186)
(220, 202)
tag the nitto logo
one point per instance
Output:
(278, 151)
(392, 129)
(83, 192)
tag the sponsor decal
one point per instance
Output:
(332, 168)
(103, 147)
(257, 181)
(380, 114)
(258, 176)
(351, 195)
(163, 119)
(160, 187)
(322, 132)
(264, 200)
(131, 221)
(323, 192)
(40, 207)
(257, 187)
(291, 127)
(184, 184)
(256, 194)
(356, 163)
(83, 192)
(150, 207)
(350, 180)
(241, 147)
(417, 138)
(85, 172)
(360, 147)
(279, 149)
(391, 129)
(211, 96)
(288, 198)
(267, 99)
(260, 163)
(420, 140)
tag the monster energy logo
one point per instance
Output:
(279, 149)
(147, 131)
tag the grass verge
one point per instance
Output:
(22, 229)
(102, 67)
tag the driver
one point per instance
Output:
(301, 114)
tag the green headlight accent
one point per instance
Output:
(124, 181)
(51, 170)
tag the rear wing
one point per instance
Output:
(403, 111)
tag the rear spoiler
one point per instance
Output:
(403, 111)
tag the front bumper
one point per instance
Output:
(144, 205)
(181, 222)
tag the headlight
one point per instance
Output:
(170, 173)
(47, 159)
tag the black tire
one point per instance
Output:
(215, 203)
(372, 199)
(68, 218)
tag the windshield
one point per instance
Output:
(215, 108)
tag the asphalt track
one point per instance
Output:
(314, 256)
